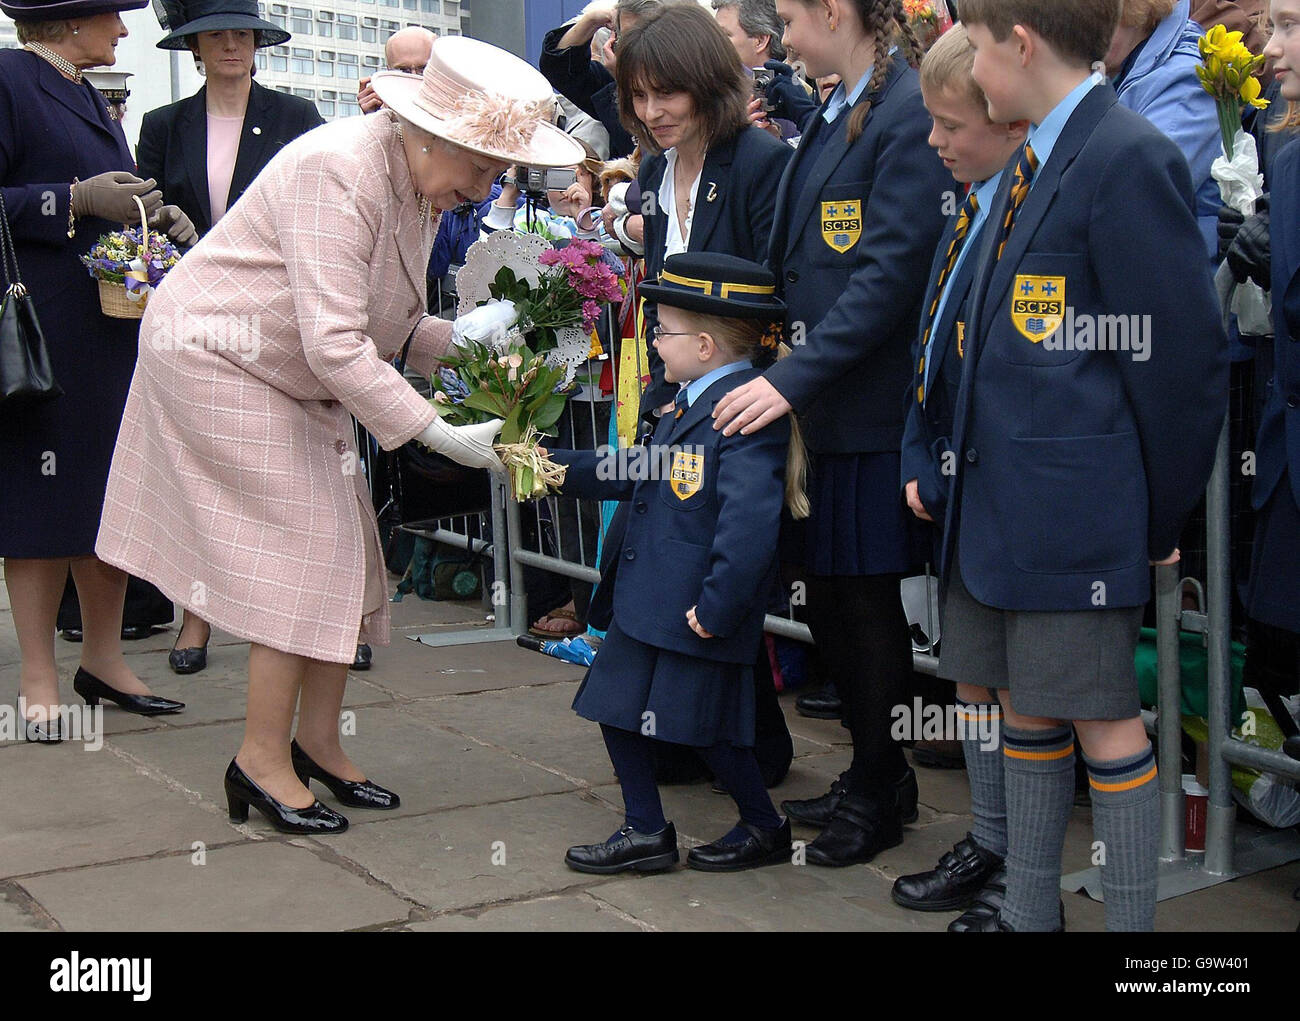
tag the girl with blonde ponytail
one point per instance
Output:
(858, 217)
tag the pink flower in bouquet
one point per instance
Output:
(587, 273)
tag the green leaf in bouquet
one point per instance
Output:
(481, 400)
(549, 411)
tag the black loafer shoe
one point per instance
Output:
(763, 847)
(858, 831)
(136, 632)
(627, 850)
(820, 705)
(242, 793)
(953, 883)
(71, 634)
(355, 794)
(996, 923)
(909, 796)
(815, 811)
(986, 905)
(187, 661)
(92, 689)
(364, 657)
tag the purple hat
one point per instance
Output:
(63, 10)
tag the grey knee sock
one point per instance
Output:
(1040, 793)
(1126, 821)
(988, 789)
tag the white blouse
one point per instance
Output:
(678, 236)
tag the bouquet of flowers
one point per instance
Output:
(1227, 73)
(517, 349)
(928, 19)
(129, 264)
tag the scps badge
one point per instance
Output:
(842, 223)
(1038, 306)
(686, 475)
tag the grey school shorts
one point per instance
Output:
(1064, 665)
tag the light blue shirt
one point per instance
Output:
(983, 193)
(697, 386)
(839, 102)
(1043, 137)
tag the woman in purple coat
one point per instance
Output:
(67, 177)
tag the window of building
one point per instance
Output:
(451, 8)
(348, 66)
(347, 26)
(348, 106)
(389, 28)
(260, 59)
(390, 3)
(370, 30)
(279, 15)
(451, 31)
(325, 63)
(325, 107)
(300, 21)
(285, 89)
(305, 94)
(431, 6)
(279, 58)
(325, 24)
(371, 64)
(302, 62)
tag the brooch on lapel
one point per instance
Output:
(257, 130)
(713, 192)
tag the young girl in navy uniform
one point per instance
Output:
(859, 213)
(693, 572)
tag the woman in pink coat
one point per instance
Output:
(234, 486)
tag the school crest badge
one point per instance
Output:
(842, 224)
(686, 474)
(1037, 306)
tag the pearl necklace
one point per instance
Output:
(64, 66)
(425, 203)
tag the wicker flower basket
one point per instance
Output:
(113, 301)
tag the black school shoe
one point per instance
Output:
(820, 705)
(953, 883)
(858, 831)
(985, 915)
(762, 847)
(818, 811)
(626, 850)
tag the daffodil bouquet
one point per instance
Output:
(516, 353)
(1227, 73)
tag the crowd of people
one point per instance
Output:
(860, 250)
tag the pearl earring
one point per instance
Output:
(75, 31)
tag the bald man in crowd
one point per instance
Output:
(407, 50)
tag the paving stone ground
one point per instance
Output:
(497, 778)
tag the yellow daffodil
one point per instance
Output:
(1250, 94)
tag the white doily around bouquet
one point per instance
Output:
(572, 348)
(522, 253)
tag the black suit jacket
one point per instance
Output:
(853, 290)
(173, 147)
(733, 216)
(587, 85)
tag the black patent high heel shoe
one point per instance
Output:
(47, 731)
(92, 689)
(189, 660)
(363, 794)
(242, 793)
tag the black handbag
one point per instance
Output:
(25, 374)
(423, 485)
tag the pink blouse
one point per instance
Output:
(223, 147)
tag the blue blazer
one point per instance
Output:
(854, 297)
(1077, 467)
(1278, 446)
(173, 147)
(927, 433)
(733, 216)
(587, 84)
(712, 547)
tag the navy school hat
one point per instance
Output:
(716, 284)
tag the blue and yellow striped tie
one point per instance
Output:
(964, 218)
(1025, 170)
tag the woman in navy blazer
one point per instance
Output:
(54, 456)
(683, 93)
(858, 216)
(177, 149)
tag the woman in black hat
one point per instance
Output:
(205, 151)
(67, 177)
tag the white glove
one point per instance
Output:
(469, 444)
(486, 324)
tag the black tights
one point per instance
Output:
(859, 625)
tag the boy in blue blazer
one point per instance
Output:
(692, 575)
(976, 150)
(1094, 386)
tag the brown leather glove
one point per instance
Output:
(108, 196)
(179, 227)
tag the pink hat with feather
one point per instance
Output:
(483, 98)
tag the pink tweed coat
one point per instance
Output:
(234, 486)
